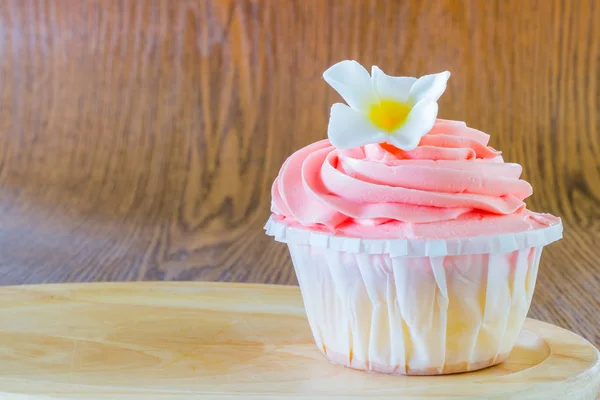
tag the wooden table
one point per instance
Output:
(139, 140)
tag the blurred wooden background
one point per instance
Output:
(139, 138)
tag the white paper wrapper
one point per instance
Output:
(432, 307)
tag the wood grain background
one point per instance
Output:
(139, 139)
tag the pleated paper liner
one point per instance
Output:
(412, 306)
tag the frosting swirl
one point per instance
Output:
(453, 175)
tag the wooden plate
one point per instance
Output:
(210, 340)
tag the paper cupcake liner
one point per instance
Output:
(415, 306)
(415, 315)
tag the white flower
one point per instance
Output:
(381, 108)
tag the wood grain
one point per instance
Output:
(139, 139)
(224, 341)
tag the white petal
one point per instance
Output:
(419, 121)
(349, 128)
(352, 81)
(391, 87)
(429, 87)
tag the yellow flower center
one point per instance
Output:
(389, 114)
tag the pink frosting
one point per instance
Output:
(452, 185)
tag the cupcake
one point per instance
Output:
(409, 235)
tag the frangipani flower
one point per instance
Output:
(381, 108)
